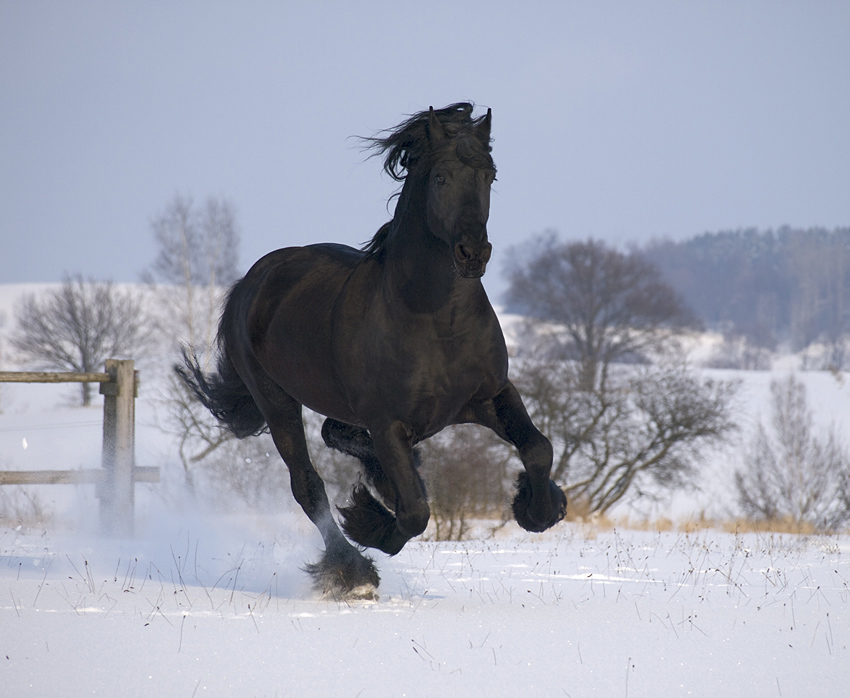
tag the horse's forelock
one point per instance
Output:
(472, 152)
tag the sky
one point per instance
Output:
(623, 122)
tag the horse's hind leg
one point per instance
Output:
(342, 572)
(356, 441)
(367, 521)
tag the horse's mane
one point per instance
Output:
(407, 147)
(376, 244)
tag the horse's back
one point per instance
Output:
(294, 291)
(311, 276)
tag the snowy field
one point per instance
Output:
(202, 603)
(220, 609)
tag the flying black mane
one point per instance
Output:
(407, 145)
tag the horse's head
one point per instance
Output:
(445, 155)
(458, 191)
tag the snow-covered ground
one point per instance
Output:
(218, 608)
(202, 603)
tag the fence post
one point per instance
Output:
(117, 493)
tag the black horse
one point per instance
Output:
(391, 343)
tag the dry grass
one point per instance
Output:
(785, 525)
(701, 523)
(593, 523)
(578, 513)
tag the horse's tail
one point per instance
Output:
(223, 393)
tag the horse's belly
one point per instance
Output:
(429, 394)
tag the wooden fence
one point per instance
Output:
(116, 477)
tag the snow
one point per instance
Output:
(221, 610)
(206, 603)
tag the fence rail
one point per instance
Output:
(118, 474)
(42, 377)
(88, 476)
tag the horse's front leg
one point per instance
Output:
(539, 503)
(367, 521)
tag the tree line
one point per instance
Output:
(599, 363)
(786, 287)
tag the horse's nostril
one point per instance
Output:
(463, 254)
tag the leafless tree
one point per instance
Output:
(78, 326)
(215, 464)
(602, 374)
(607, 306)
(22, 506)
(197, 260)
(790, 473)
(466, 470)
(819, 268)
(250, 472)
(197, 436)
(639, 432)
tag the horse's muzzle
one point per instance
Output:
(471, 261)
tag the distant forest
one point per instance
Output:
(787, 287)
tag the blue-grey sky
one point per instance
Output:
(621, 121)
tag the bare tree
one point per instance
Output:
(248, 471)
(789, 472)
(607, 306)
(639, 432)
(197, 435)
(602, 375)
(79, 326)
(197, 259)
(467, 473)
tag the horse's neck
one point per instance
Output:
(418, 267)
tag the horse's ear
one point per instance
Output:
(436, 132)
(483, 130)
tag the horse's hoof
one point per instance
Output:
(522, 506)
(345, 576)
(364, 592)
(369, 523)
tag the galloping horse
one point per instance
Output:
(391, 343)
